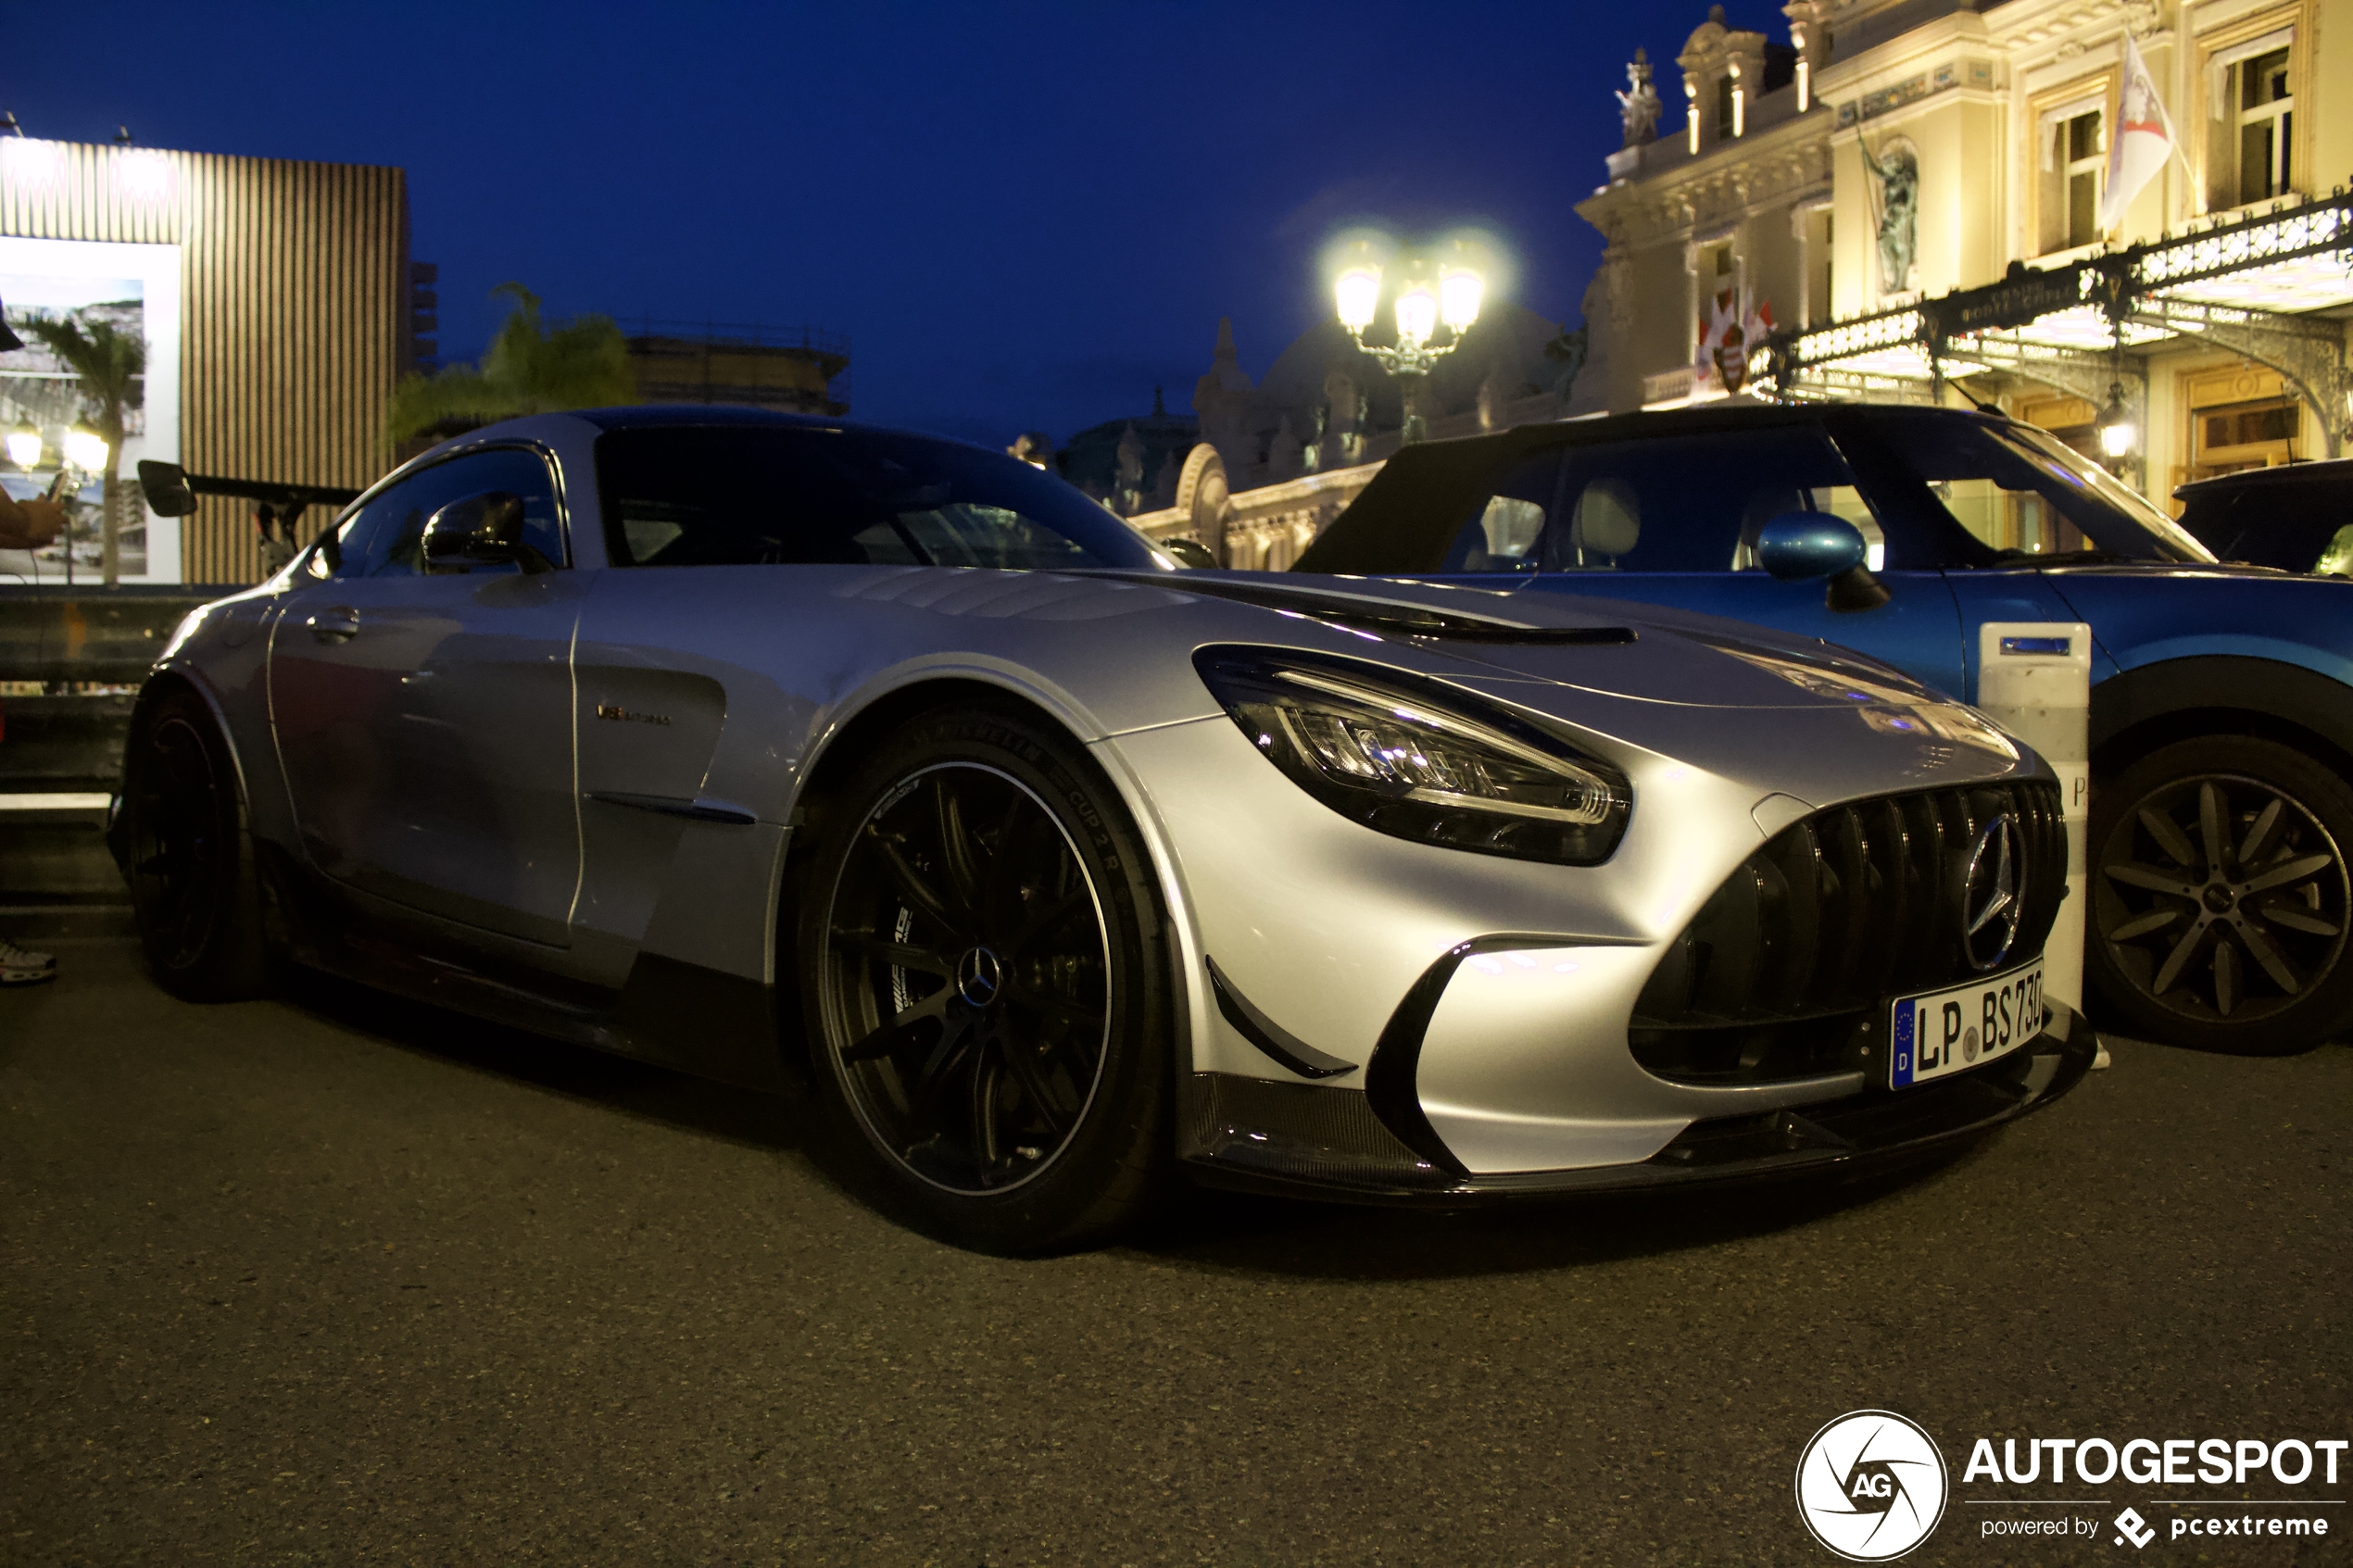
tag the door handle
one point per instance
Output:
(339, 625)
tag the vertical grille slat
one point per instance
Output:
(1785, 970)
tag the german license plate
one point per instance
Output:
(1951, 1031)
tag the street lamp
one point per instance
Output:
(84, 449)
(1358, 294)
(1419, 312)
(2117, 432)
(24, 446)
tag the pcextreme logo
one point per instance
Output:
(1871, 1486)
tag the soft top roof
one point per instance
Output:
(2332, 471)
(1390, 522)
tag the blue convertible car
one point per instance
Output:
(2222, 697)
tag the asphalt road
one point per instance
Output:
(337, 1280)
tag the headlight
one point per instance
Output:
(1420, 762)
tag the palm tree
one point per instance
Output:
(111, 365)
(529, 369)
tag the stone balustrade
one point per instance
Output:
(1264, 527)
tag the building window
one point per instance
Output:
(2240, 417)
(1727, 93)
(2246, 435)
(2085, 157)
(2267, 114)
(2250, 153)
(2073, 159)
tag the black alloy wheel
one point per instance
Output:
(2220, 899)
(195, 892)
(985, 971)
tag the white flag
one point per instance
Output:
(2142, 141)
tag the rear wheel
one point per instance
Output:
(985, 971)
(2220, 897)
(194, 890)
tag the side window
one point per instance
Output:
(386, 538)
(1697, 502)
(765, 495)
(1504, 528)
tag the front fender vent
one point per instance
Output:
(1785, 970)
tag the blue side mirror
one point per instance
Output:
(1799, 546)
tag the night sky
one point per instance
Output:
(1024, 216)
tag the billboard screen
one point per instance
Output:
(135, 290)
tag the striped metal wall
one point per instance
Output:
(295, 301)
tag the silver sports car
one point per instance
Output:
(803, 755)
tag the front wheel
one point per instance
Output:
(2219, 896)
(985, 972)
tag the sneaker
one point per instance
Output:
(22, 966)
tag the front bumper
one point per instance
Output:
(1307, 1140)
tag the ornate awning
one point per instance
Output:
(2248, 283)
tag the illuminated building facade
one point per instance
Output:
(1910, 201)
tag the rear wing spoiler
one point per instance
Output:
(171, 490)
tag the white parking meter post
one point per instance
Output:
(2034, 680)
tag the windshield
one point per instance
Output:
(772, 494)
(2023, 494)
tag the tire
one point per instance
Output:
(2221, 897)
(195, 892)
(986, 987)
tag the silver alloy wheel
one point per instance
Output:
(2224, 898)
(966, 980)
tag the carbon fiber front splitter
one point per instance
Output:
(1307, 1140)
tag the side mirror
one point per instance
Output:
(1189, 553)
(327, 559)
(166, 488)
(1799, 547)
(484, 530)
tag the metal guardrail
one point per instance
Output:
(99, 635)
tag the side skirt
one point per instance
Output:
(669, 1012)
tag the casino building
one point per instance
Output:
(1908, 200)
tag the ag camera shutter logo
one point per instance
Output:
(1871, 1486)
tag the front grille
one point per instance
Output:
(1784, 970)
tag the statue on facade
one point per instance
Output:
(1896, 176)
(1638, 106)
(1284, 455)
(1127, 487)
(1344, 440)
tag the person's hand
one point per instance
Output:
(27, 525)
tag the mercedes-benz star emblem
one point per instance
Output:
(977, 977)
(1989, 906)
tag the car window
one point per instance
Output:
(2023, 494)
(744, 496)
(1696, 502)
(1504, 527)
(385, 537)
(2293, 527)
